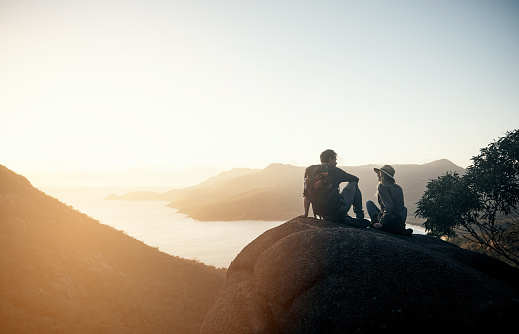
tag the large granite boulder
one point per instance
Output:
(311, 276)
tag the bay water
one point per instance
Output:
(214, 243)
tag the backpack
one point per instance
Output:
(318, 190)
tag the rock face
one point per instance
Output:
(311, 276)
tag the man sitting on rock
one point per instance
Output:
(338, 202)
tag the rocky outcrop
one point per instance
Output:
(310, 276)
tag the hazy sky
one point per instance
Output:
(199, 86)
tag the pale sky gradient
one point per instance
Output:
(195, 87)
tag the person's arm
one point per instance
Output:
(306, 204)
(385, 197)
(342, 176)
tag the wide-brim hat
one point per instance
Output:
(386, 169)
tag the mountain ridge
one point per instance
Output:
(226, 198)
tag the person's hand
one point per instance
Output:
(377, 225)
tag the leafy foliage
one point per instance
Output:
(481, 205)
(446, 204)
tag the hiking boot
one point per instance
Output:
(374, 220)
(359, 215)
(363, 223)
(408, 231)
(366, 223)
(376, 226)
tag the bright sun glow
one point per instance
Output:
(146, 89)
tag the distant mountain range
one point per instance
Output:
(64, 272)
(275, 192)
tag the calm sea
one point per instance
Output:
(214, 243)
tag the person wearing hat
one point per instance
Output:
(392, 214)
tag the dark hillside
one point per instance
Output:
(245, 196)
(63, 272)
(259, 204)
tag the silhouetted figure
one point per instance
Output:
(392, 214)
(333, 205)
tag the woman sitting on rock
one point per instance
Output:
(392, 213)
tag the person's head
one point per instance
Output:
(385, 174)
(329, 157)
